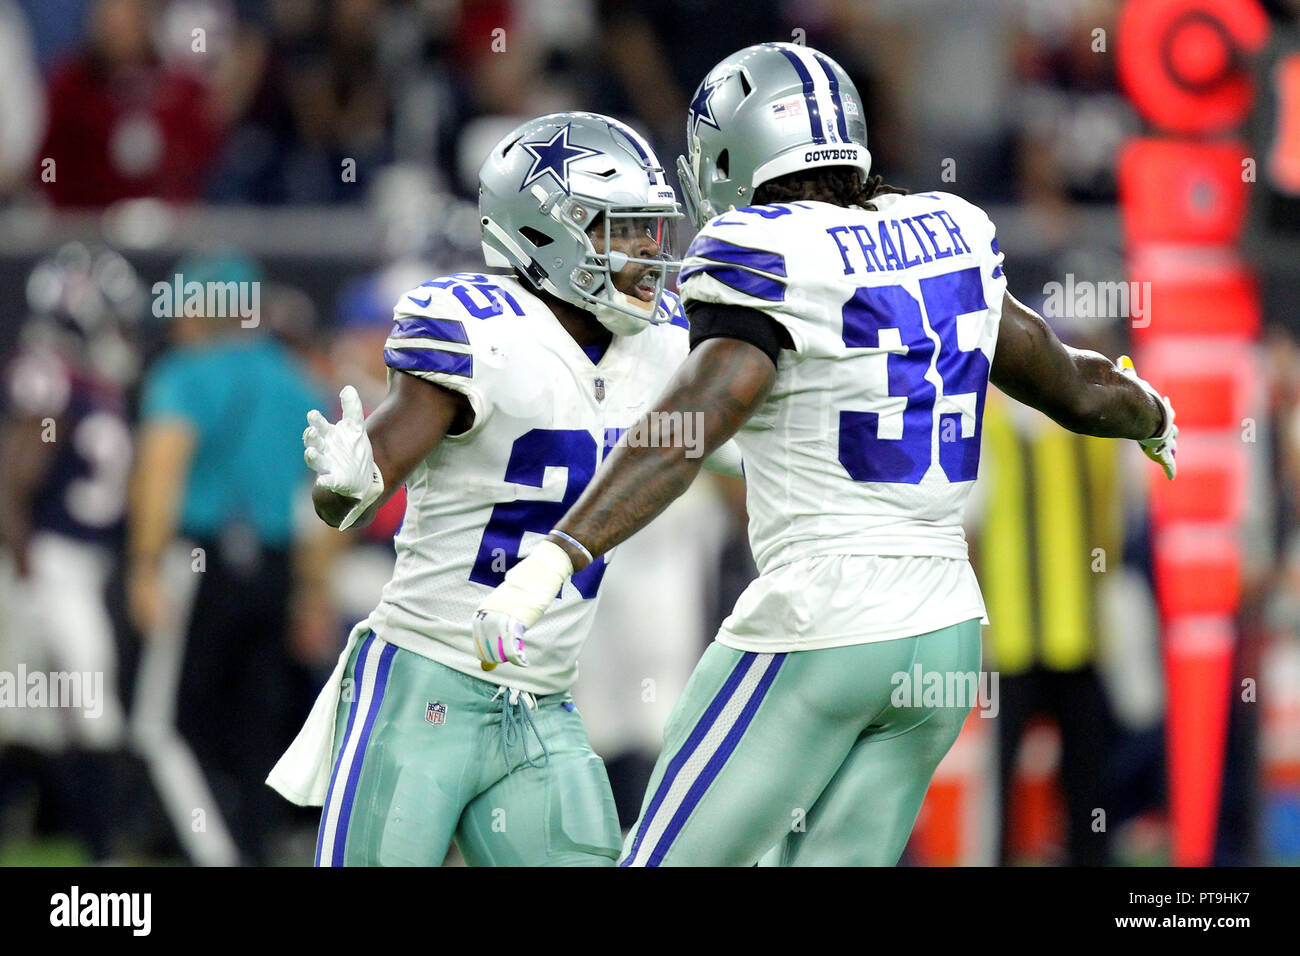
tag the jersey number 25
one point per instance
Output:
(532, 453)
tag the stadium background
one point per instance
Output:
(328, 149)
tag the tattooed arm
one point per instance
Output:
(723, 382)
(720, 385)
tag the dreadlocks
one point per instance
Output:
(839, 185)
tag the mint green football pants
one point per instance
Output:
(424, 754)
(808, 758)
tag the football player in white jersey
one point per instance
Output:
(845, 333)
(506, 392)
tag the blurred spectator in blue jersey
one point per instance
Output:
(211, 557)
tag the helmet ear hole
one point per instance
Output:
(723, 164)
(535, 236)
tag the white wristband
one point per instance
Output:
(370, 496)
(578, 545)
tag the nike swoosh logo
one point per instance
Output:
(423, 304)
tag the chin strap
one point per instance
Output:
(619, 322)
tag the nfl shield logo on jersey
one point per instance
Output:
(600, 389)
(435, 713)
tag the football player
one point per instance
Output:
(66, 449)
(506, 392)
(845, 333)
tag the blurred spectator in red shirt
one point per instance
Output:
(122, 124)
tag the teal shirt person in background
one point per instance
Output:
(246, 400)
(218, 578)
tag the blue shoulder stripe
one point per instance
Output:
(419, 327)
(742, 280)
(719, 250)
(430, 360)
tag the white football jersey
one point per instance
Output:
(545, 416)
(869, 442)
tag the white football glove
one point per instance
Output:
(517, 603)
(1163, 447)
(341, 455)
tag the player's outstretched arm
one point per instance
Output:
(720, 385)
(360, 462)
(1081, 390)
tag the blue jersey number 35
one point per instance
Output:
(906, 457)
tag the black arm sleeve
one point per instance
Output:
(710, 320)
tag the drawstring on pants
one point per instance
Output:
(516, 721)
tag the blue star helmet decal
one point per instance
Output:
(701, 111)
(553, 156)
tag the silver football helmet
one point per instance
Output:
(768, 110)
(87, 301)
(545, 185)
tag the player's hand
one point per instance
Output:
(1161, 448)
(517, 603)
(341, 455)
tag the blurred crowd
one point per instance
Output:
(178, 447)
(264, 101)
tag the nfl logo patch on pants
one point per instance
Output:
(435, 713)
